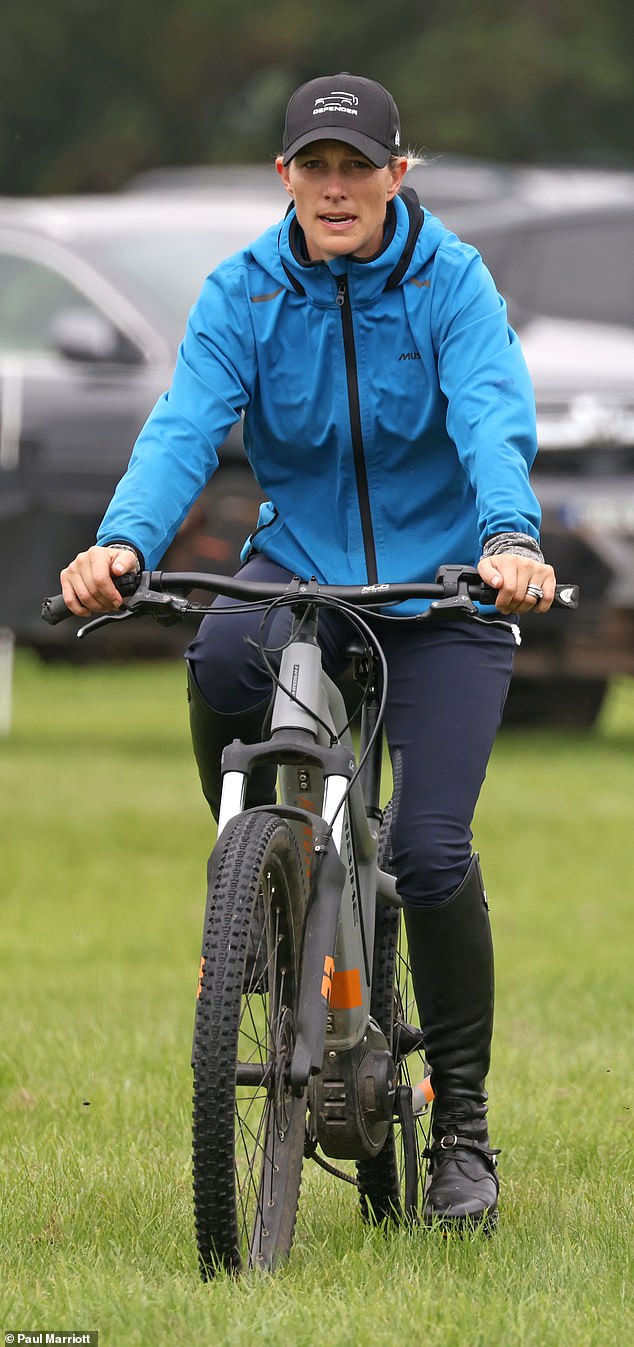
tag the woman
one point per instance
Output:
(390, 419)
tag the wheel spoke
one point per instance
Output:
(387, 1182)
(246, 1134)
(250, 1033)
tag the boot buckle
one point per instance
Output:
(447, 1143)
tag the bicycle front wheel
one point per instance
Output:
(248, 1127)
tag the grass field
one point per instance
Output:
(104, 839)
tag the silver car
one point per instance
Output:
(94, 296)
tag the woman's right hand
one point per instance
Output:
(87, 583)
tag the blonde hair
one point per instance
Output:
(414, 160)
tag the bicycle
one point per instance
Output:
(306, 1037)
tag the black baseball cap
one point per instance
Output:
(343, 107)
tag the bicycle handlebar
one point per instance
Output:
(161, 593)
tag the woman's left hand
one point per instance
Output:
(524, 585)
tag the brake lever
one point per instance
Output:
(101, 622)
(164, 608)
(456, 606)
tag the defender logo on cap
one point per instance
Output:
(337, 101)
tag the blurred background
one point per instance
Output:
(92, 91)
(136, 150)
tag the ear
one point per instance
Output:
(397, 173)
(283, 171)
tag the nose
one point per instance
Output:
(334, 185)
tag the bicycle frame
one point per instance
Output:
(337, 830)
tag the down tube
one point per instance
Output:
(352, 977)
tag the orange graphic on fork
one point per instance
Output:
(326, 981)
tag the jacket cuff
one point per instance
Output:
(127, 547)
(520, 544)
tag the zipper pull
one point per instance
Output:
(341, 292)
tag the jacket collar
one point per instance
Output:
(367, 278)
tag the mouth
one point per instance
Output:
(337, 221)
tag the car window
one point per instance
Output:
(31, 297)
(577, 270)
(164, 270)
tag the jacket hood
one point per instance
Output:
(411, 239)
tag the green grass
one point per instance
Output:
(104, 839)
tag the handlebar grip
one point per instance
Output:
(54, 609)
(566, 596)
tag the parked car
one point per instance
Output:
(560, 248)
(94, 295)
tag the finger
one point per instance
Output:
(546, 581)
(87, 583)
(530, 593)
(77, 595)
(95, 581)
(507, 598)
(71, 597)
(123, 561)
(500, 573)
(489, 573)
(538, 587)
(107, 564)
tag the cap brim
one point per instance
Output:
(377, 154)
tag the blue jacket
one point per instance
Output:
(388, 412)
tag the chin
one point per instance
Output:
(339, 247)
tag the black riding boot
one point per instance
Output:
(451, 954)
(212, 731)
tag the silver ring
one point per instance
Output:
(535, 592)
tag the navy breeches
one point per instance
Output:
(447, 687)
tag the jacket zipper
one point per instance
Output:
(363, 492)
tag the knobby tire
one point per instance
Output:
(248, 1128)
